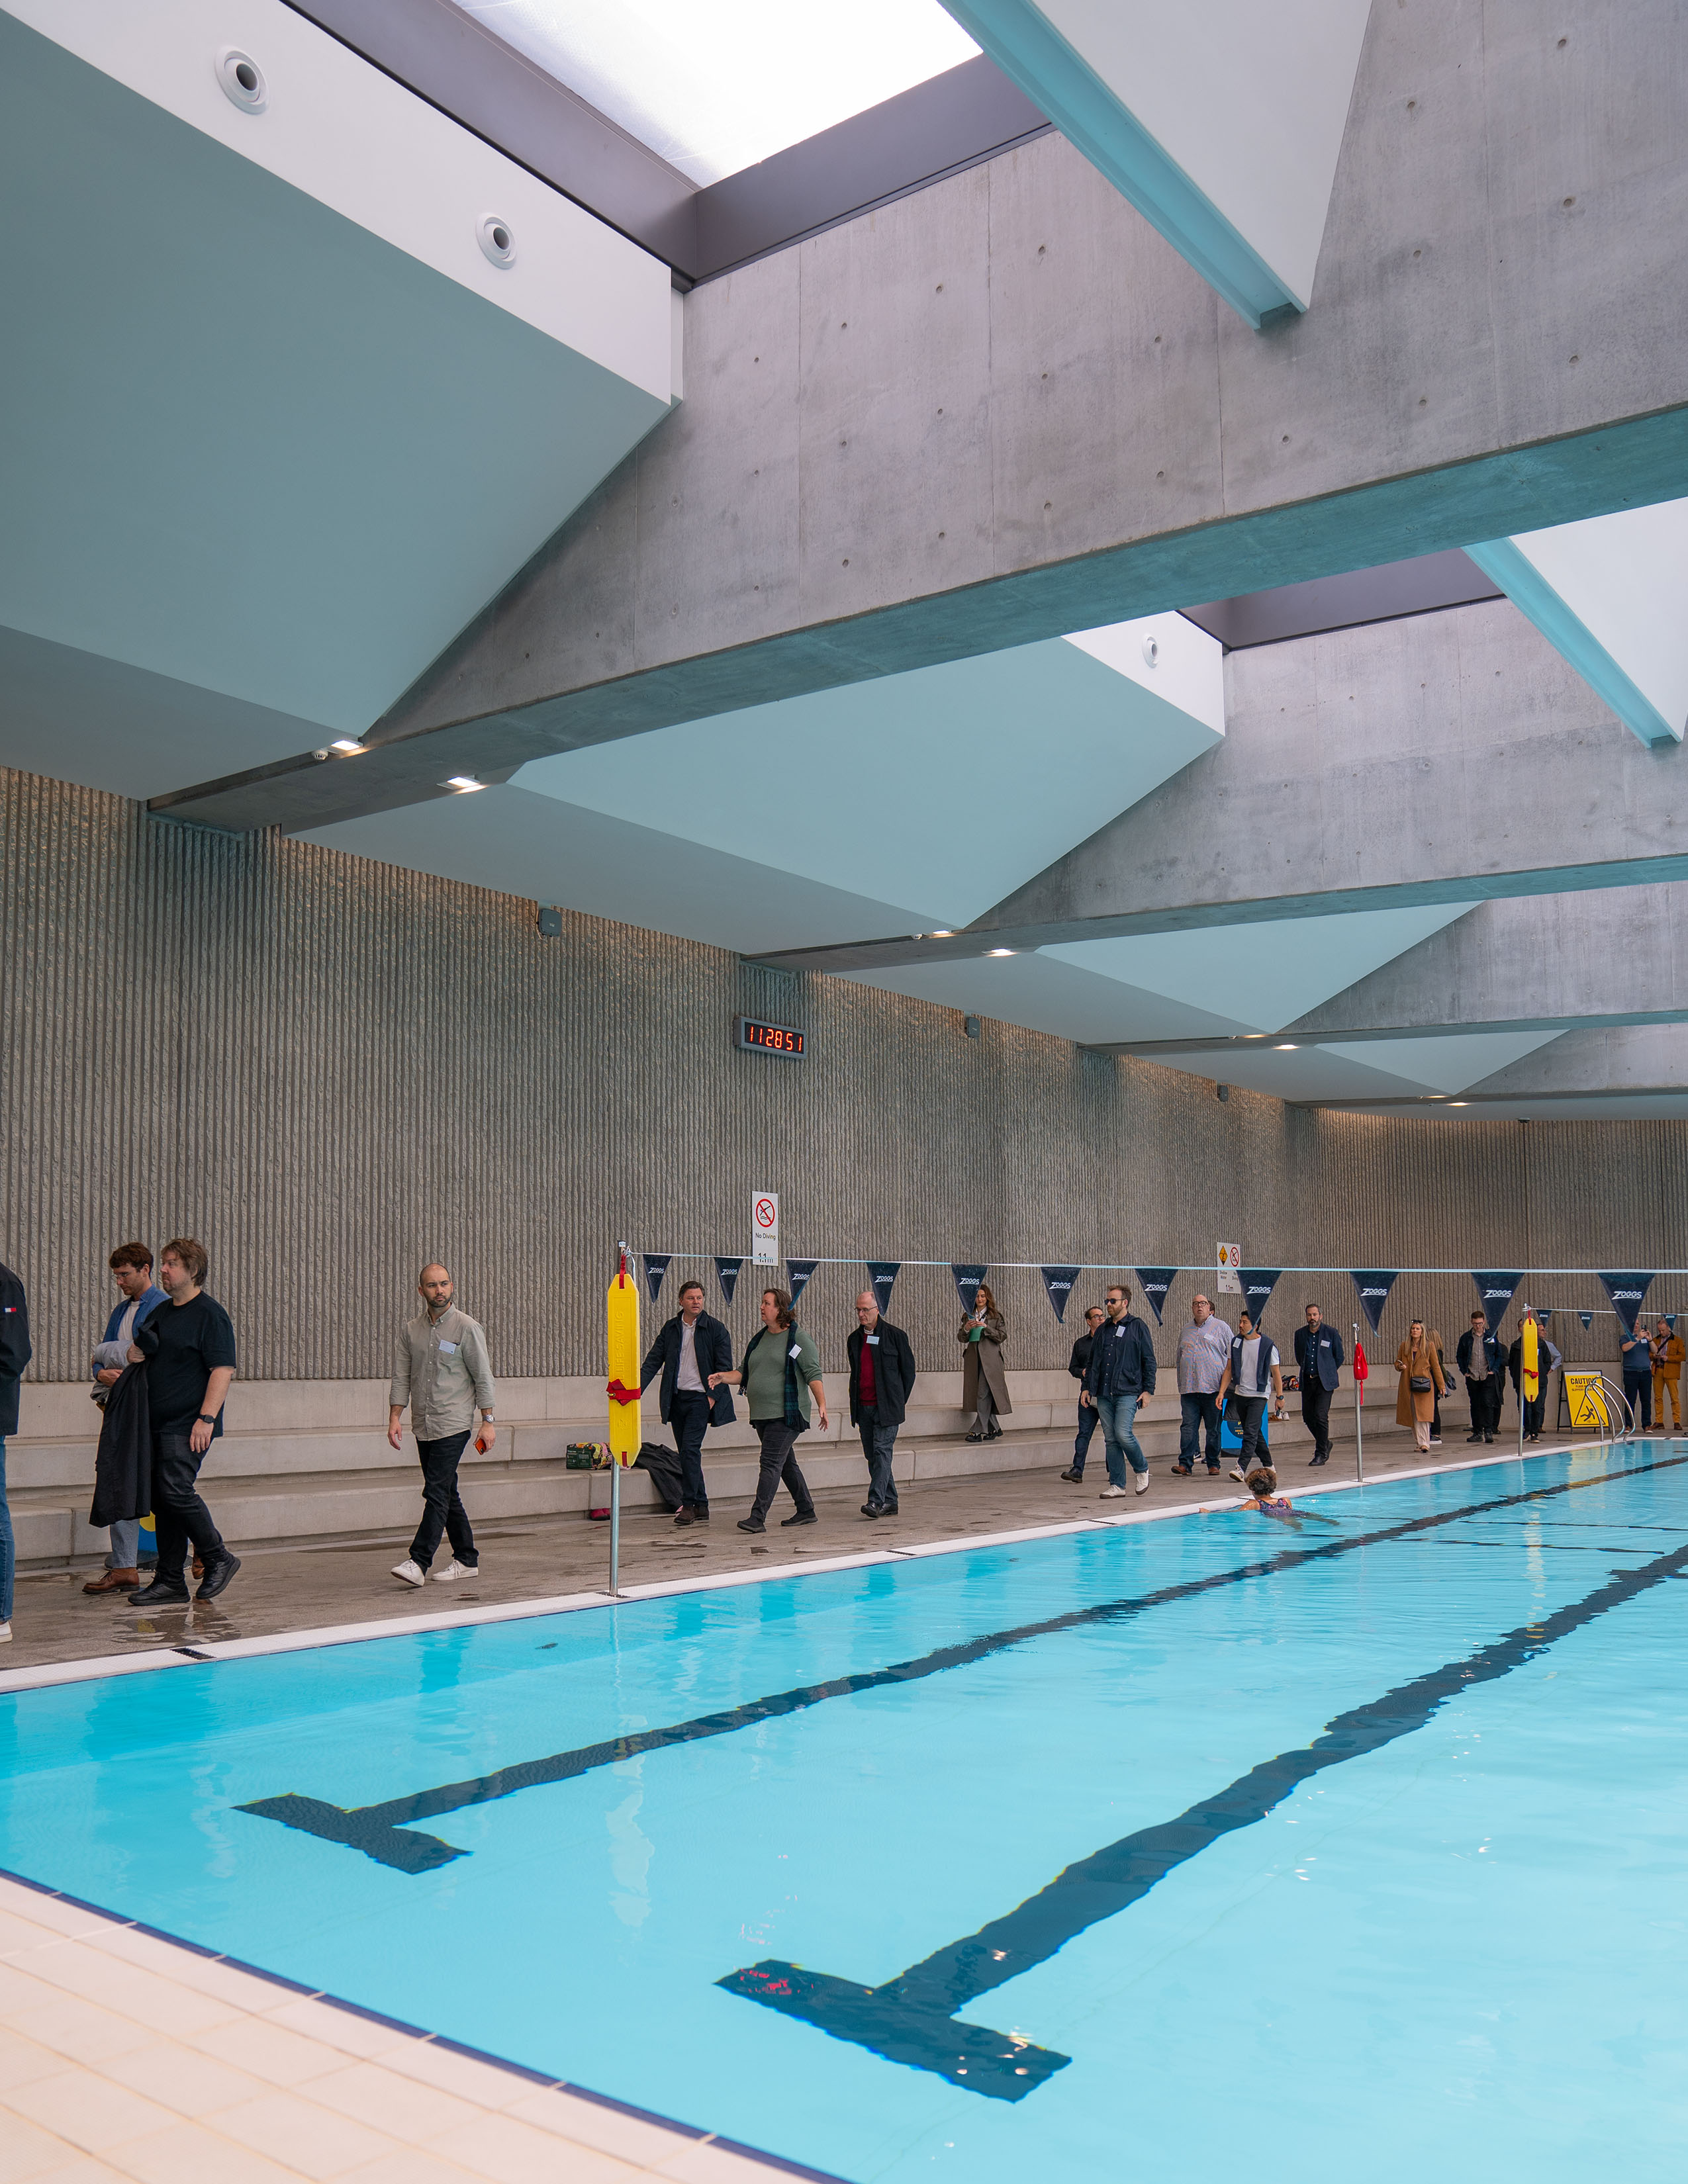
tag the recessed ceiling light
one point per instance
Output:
(1287, 1046)
(348, 746)
(943, 932)
(1459, 1103)
(998, 951)
(462, 783)
(1254, 1035)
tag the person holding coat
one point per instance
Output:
(881, 1380)
(14, 1354)
(984, 1385)
(1420, 1373)
(690, 1349)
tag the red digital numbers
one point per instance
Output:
(771, 1038)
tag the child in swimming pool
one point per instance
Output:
(1263, 1483)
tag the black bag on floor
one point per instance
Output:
(664, 1466)
(123, 1465)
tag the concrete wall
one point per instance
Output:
(332, 1070)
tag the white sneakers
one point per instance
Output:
(5, 1634)
(453, 1571)
(1140, 1484)
(1112, 1493)
(1237, 1473)
(410, 1572)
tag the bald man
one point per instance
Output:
(441, 1371)
(881, 1381)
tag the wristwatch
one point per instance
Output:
(206, 1419)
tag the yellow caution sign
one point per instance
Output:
(1589, 1406)
(625, 1428)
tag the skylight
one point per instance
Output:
(713, 86)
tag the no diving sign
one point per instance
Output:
(764, 1229)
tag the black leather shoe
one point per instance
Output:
(1072, 1473)
(159, 1595)
(975, 1435)
(995, 1433)
(751, 1524)
(700, 1513)
(218, 1571)
(802, 1517)
(873, 1509)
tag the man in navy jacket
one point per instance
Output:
(1482, 1357)
(687, 1349)
(1318, 1360)
(1118, 1380)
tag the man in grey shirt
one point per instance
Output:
(441, 1371)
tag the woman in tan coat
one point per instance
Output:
(984, 1385)
(1418, 1358)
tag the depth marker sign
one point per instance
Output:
(764, 1229)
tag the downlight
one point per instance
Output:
(496, 240)
(1151, 652)
(243, 80)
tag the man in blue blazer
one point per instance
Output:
(687, 1349)
(1318, 1361)
(1482, 1357)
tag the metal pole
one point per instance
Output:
(1359, 1404)
(614, 1529)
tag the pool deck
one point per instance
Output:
(301, 1595)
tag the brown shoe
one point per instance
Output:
(114, 1581)
(683, 1515)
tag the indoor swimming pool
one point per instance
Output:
(1215, 1844)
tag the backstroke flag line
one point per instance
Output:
(1495, 1292)
(1374, 1284)
(1157, 1281)
(655, 1267)
(1627, 1293)
(882, 1272)
(797, 1273)
(1058, 1284)
(726, 1273)
(1258, 1283)
(967, 1280)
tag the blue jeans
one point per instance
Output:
(1196, 1413)
(8, 1560)
(1119, 1414)
(1081, 1439)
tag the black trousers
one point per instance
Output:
(779, 1466)
(443, 1509)
(689, 1415)
(1315, 1416)
(878, 1445)
(1485, 1402)
(177, 1510)
(1639, 1388)
(1251, 1415)
(1088, 1416)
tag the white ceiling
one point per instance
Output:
(713, 86)
(288, 429)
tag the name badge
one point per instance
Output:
(448, 1349)
(873, 1342)
(1119, 1335)
(795, 1350)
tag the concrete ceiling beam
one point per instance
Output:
(1452, 757)
(991, 413)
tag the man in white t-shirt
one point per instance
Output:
(1253, 1369)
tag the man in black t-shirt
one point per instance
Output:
(188, 1347)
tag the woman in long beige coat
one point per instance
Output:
(1418, 1358)
(984, 1385)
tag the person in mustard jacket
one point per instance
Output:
(1668, 1350)
(1418, 1358)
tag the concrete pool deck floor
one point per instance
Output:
(305, 1592)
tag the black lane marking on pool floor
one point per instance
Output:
(911, 2019)
(386, 1832)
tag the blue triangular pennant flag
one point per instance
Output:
(1495, 1292)
(1670, 1319)
(655, 1267)
(1156, 1281)
(882, 1272)
(727, 1272)
(797, 1273)
(1374, 1284)
(1586, 1318)
(1258, 1283)
(1058, 1286)
(1627, 1293)
(967, 1280)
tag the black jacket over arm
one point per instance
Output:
(14, 1347)
(893, 1374)
(713, 1347)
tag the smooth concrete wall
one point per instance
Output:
(332, 1070)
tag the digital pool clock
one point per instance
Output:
(770, 1038)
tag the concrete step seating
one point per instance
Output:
(308, 1461)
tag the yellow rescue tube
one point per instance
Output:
(625, 1425)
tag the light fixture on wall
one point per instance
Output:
(972, 1027)
(1287, 1046)
(464, 783)
(549, 921)
(348, 747)
(999, 951)
(1222, 1093)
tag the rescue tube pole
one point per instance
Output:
(1359, 1428)
(623, 1389)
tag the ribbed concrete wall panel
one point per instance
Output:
(332, 1070)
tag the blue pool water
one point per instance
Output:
(1371, 1831)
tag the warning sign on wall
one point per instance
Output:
(764, 1229)
(1229, 1263)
